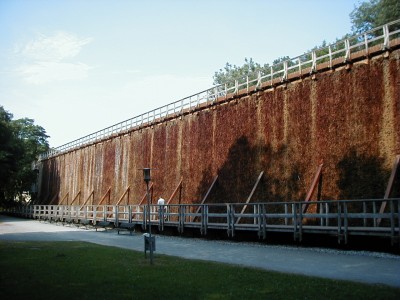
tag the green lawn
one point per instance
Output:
(74, 270)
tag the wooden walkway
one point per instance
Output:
(342, 218)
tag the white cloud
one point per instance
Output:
(49, 58)
(60, 46)
(45, 72)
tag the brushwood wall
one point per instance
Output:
(348, 117)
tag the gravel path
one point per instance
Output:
(360, 266)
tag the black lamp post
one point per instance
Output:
(147, 178)
(146, 175)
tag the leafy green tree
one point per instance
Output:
(33, 141)
(21, 142)
(10, 153)
(230, 72)
(374, 13)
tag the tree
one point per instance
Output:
(9, 153)
(250, 69)
(230, 72)
(374, 13)
(21, 142)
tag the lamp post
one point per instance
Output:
(147, 178)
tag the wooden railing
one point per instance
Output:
(342, 218)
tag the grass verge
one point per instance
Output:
(76, 270)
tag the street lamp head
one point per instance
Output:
(146, 174)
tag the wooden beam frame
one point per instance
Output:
(53, 199)
(105, 195)
(65, 197)
(314, 184)
(389, 187)
(91, 195)
(251, 195)
(178, 188)
(77, 195)
(209, 190)
(206, 196)
(123, 196)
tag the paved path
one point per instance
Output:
(367, 267)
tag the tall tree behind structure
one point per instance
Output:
(21, 142)
(374, 13)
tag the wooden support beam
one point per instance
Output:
(251, 195)
(314, 184)
(123, 196)
(65, 197)
(91, 195)
(54, 199)
(389, 187)
(206, 196)
(108, 193)
(209, 190)
(178, 188)
(145, 194)
(77, 195)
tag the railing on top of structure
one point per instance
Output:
(337, 53)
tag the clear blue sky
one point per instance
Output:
(77, 66)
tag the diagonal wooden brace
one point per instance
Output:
(312, 187)
(389, 187)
